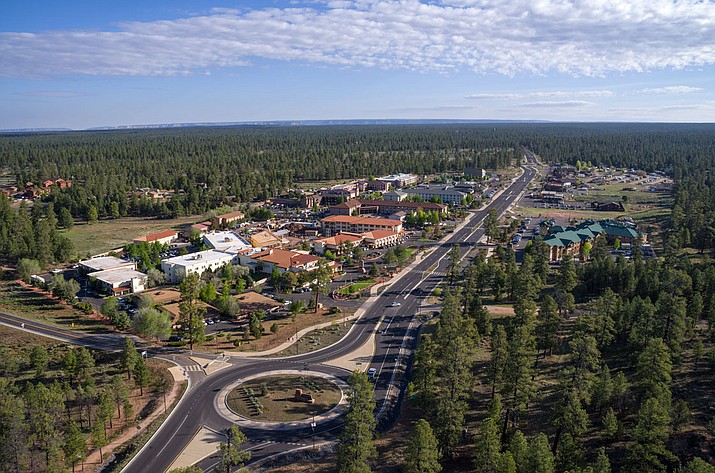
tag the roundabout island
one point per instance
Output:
(287, 399)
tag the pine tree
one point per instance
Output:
(649, 453)
(142, 376)
(231, 453)
(541, 460)
(422, 455)
(611, 426)
(567, 279)
(356, 446)
(488, 446)
(602, 463)
(519, 449)
(653, 372)
(75, 445)
(129, 356)
(548, 324)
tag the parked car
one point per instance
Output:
(371, 373)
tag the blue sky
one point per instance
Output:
(79, 64)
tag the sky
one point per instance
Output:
(81, 64)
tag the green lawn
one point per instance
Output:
(356, 287)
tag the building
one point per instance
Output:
(226, 241)
(344, 223)
(178, 267)
(447, 194)
(202, 228)
(104, 263)
(381, 238)
(265, 239)
(223, 221)
(395, 196)
(476, 172)
(608, 206)
(621, 232)
(284, 260)
(571, 239)
(118, 281)
(163, 237)
(400, 179)
(384, 207)
(336, 243)
(351, 207)
(378, 186)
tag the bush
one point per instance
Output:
(85, 307)
(179, 343)
(208, 338)
(237, 343)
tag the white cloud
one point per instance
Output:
(557, 104)
(558, 94)
(672, 89)
(577, 37)
(495, 96)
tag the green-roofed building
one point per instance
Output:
(570, 239)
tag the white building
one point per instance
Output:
(226, 241)
(104, 263)
(178, 267)
(119, 281)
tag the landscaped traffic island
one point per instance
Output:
(284, 398)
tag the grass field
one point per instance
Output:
(279, 403)
(107, 235)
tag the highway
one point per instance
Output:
(396, 328)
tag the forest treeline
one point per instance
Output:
(210, 167)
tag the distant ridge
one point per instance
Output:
(34, 130)
(286, 123)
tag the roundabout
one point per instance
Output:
(283, 400)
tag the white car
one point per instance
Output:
(395, 304)
(371, 373)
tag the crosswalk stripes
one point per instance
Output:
(193, 368)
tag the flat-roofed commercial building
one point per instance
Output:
(178, 267)
(226, 241)
(119, 281)
(104, 263)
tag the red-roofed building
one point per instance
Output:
(336, 243)
(284, 260)
(226, 219)
(344, 223)
(346, 208)
(166, 236)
